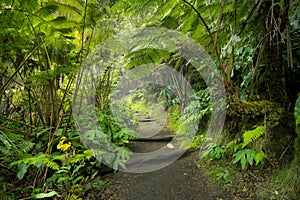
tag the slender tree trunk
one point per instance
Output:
(275, 22)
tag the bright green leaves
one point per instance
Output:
(213, 152)
(248, 156)
(47, 10)
(164, 10)
(259, 157)
(297, 115)
(252, 135)
(45, 195)
(244, 156)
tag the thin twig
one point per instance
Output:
(17, 122)
(283, 153)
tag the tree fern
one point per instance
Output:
(164, 10)
(38, 161)
(13, 144)
(47, 10)
(70, 7)
(252, 135)
(184, 16)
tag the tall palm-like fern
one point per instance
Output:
(193, 16)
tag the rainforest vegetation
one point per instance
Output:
(254, 44)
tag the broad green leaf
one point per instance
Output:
(59, 132)
(45, 195)
(259, 157)
(22, 170)
(243, 162)
(43, 131)
(250, 157)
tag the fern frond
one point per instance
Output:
(188, 22)
(37, 161)
(252, 135)
(47, 10)
(25, 146)
(51, 164)
(70, 7)
(6, 145)
(164, 10)
(14, 144)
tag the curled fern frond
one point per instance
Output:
(252, 135)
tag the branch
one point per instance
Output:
(201, 18)
(17, 122)
(210, 34)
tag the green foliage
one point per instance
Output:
(179, 15)
(14, 144)
(43, 43)
(252, 135)
(213, 151)
(45, 195)
(224, 175)
(248, 156)
(197, 141)
(297, 116)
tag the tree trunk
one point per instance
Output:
(275, 23)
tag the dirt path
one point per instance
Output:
(182, 179)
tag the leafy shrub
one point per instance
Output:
(248, 156)
(245, 156)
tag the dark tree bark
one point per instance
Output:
(275, 22)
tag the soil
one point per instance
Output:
(183, 179)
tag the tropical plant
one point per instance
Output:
(252, 135)
(245, 156)
(224, 175)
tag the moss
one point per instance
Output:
(244, 115)
(239, 108)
